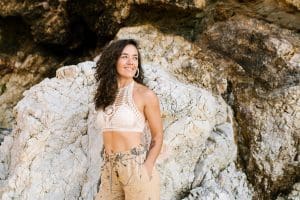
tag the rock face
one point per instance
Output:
(4, 132)
(273, 61)
(239, 60)
(294, 3)
(266, 94)
(293, 195)
(273, 159)
(56, 140)
(47, 19)
(48, 146)
(50, 21)
(228, 184)
(53, 22)
(49, 34)
(22, 65)
(196, 122)
(270, 115)
(25, 72)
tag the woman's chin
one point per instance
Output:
(126, 76)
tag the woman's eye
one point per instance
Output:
(126, 57)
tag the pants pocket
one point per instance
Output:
(145, 173)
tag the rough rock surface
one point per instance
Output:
(46, 155)
(294, 3)
(293, 195)
(26, 70)
(273, 160)
(22, 64)
(198, 135)
(63, 22)
(176, 55)
(55, 140)
(264, 84)
(215, 186)
(268, 54)
(77, 26)
(50, 21)
(237, 49)
(4, 132)
(266, 98)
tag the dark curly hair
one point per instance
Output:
(106, 72)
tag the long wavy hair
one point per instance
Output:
(106, 72)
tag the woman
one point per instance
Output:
(125, 106)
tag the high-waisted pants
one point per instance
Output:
(124, 177)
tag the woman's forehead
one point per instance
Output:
(130, 49)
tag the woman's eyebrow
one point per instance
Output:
(128, 54)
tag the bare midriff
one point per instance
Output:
(115, 141)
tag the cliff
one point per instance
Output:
(226, 73)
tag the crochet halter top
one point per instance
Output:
(123, 114)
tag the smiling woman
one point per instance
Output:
(124, 106)
(128, 62)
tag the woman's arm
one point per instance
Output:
(153, 116)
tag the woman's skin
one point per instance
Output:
(147, 103)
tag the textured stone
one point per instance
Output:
(263, 115)
(56, 145)
(293, 195)
(4, 132)
(22, 64)
(48, 155)
(175, 54)
(254, 66)
(192, 117)
(48, 20)
(229, 183)
(266, 53)
(61, 26)
(265, 98)
(295, 3)
(25, 72)
(272, 138)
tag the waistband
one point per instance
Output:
(135, 151)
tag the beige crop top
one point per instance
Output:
(122, 115)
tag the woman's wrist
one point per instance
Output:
(149, 163)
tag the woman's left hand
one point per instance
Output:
(149, 168)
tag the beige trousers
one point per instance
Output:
(124, 177)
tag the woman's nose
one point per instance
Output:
(130, 60)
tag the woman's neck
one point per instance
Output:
(124, 82)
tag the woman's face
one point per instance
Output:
(127, 63)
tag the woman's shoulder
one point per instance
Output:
(146, 93)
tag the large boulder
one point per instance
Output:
(191, 80)
(49, 34)
(258, 78)
(266, 91)
(55, 146)
(45, 157)
(22, 65)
